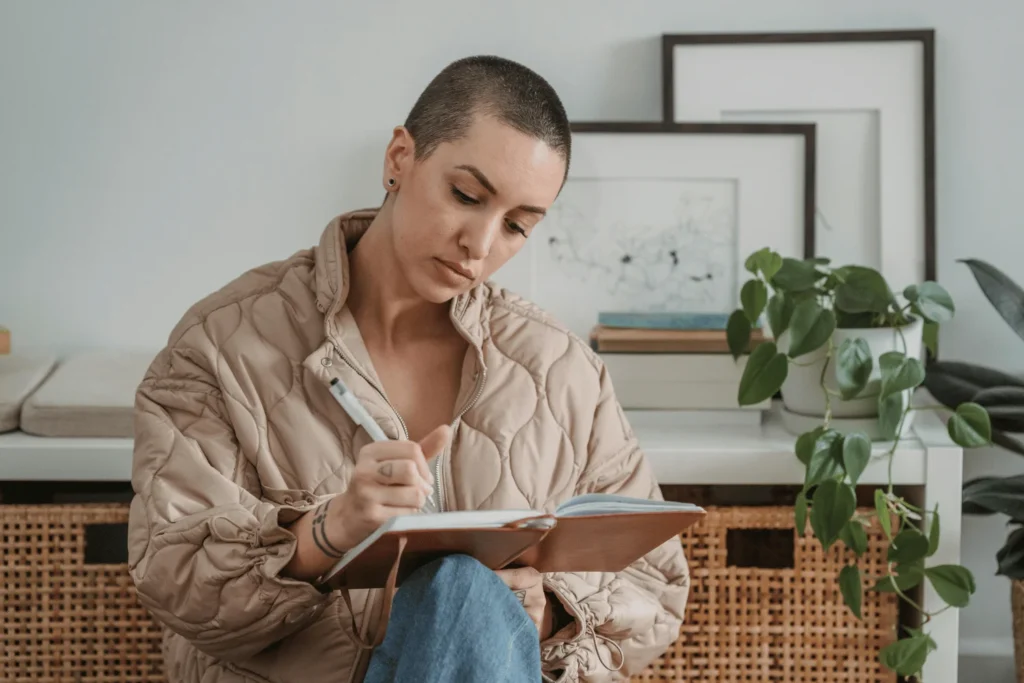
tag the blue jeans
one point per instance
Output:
(455, 620)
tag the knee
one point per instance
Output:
(459, 568)
(460, 574)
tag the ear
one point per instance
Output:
(400, 154)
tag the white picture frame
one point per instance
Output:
(661, 217)
(870, 95)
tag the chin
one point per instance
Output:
(434, 290)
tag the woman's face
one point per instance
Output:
(469, 207)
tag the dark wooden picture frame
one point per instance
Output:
(926, 37)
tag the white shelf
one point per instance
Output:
(725, 454)
(681, 451)
(24, 457)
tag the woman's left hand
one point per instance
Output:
(528, 586)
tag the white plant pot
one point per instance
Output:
(804, 400)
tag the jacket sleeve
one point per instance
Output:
(205, 552)
(623, 620)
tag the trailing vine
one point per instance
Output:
(805, 302)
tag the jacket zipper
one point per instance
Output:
(439, 471)
(337, 350)
(405, 430)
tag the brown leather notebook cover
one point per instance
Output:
(492, 547)
(605, 542)
(582, 543)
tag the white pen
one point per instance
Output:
(358, 413)
(356, 410)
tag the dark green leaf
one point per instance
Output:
(780, 310)
(969, 426)
(854, 537)
(930, 337)
(933, 532)
(800, 513)
(853, 366)
(890, 414)
(805, 444)
(953, 583)
(907, 656)
(765, 260)
(763, 375)
(899, 373)
(795, 276)
(754, 297)
(809, 328)
(1010, 557)
(955, 382)
(1004, 294)
(753, 261)
(905, 578)
(826, 460)
(908, 546)
(856, 454)
(931, 301)
(882, 510)
(737, 333)
(864, 290)
(851, 589)
(1002, 495)
(834, 503)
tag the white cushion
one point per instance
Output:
(20, 374)
(89, 394)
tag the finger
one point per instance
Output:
(405, 450)
(400, 496)
(399, 472)
(434, 442)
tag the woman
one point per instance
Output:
(250, 480)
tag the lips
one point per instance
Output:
(457, 269)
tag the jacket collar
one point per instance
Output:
(332, 278)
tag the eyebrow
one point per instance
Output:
(482, 179)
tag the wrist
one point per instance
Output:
(329, 530)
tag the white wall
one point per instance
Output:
(150, 151)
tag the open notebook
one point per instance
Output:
(592, 532)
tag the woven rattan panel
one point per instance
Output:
(61, 618)
(778, 623)
(65, 620)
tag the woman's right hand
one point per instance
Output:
(391, 478)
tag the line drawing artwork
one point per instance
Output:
(639, 245)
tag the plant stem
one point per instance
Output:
(907, 598)
(821, 380)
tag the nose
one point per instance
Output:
(477, 238)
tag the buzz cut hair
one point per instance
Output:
(491, 86)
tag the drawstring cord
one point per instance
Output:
(612, 645)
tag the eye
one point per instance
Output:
(514, 227)
(463, 197)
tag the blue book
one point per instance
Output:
(667, 320)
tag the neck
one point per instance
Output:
(384, 305)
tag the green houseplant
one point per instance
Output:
(1002, 396)
(821, 317)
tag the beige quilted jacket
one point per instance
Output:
(237, 435)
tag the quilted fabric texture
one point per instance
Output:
(237, 435)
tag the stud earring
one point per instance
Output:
(391, 182)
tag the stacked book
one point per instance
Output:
(675, 362)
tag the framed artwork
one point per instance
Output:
(870, 95)
(661, 217)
